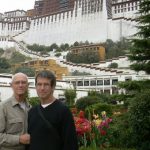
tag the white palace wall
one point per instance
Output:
(68, 27)
(5, 42)
(71, 26)
(91, 27)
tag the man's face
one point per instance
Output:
(19, 85)
(43, 88)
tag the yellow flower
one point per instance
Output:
(97, 122)
(103, 113)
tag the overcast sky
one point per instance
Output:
(10, 5)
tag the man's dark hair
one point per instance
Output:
(47, 74)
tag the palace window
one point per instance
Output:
(106, 82)
(114, 81)
(93, 82)
(86, 83)
(99, 82)
(74, 83)
(80, 83)
(128, 78)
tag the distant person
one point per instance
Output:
(51, 123)
(13, 116)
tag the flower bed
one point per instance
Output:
(92, 132)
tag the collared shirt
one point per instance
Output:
(13, 123)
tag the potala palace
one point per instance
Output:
(68, 21)
(85, 20)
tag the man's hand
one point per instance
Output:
(24, 139)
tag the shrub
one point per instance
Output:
(98, 108)
(83, 102)
(113, 65)
(34, 101)
(121, 135)
(27, 70)
(139, 117)
(70, 96)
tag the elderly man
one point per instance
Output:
(13, 116)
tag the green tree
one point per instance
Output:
(64, 47)
(76, 43)
(39, 48)
(54, 46)
(4, 63)
(34, 101)
(134, 87)
(1, 51)
(140, 51)
(113, 65)
(17, 58)
(77, 73)
(139, 119)
(27, 70)
(70, 96)
(86, 57)
(89, 57)
(86, 101)
(58, 54)
(116, 49)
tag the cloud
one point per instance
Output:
(10, 5)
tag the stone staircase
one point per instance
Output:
(22, 48)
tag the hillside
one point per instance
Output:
(8, 53)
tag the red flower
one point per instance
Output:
(103, 132)
(74, 111)
(82, 124)
(81, 114)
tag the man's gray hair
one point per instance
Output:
(19, 74)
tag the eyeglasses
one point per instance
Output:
(45, 85)
(20, 82)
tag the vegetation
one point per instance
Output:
(140, 50)
(112, 50)
(98, 108)
(130, 121)
(54, 47)
(17, 58)
(86, 57)
(139, 119)
(27, 70)
(132, 87)
(116, 49)
(86, 101)
(113, 65)
(4, 66)
(64, 47)
(38, 48)
(77, 73)
(4, 63)
(34, 101)
(70, 96)
(129, 129)
(1, 51)
(58, 54)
